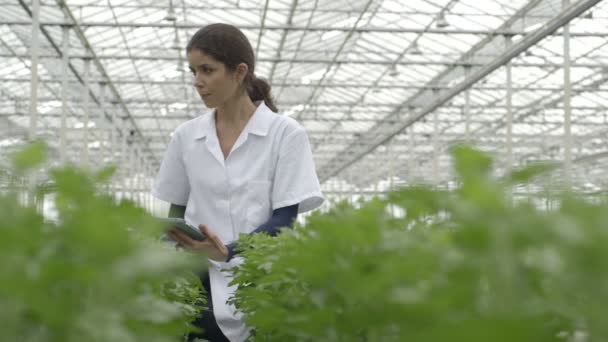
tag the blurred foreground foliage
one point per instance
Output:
(97, 272)
(421, 264)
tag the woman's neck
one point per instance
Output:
(235, 112)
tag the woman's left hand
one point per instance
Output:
(211, 245)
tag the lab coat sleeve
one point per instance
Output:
(171, 183)
(295, 178)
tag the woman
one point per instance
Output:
(240, 169)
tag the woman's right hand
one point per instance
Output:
(212, 245)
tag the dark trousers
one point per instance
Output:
(211, 331)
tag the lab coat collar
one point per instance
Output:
(258, 124)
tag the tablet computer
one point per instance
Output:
(181, 225)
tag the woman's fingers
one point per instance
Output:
(204, 230)
(211, 236)
(218, 251)
(180, 238)
(185, 241)
(212, 244)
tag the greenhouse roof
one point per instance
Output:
(383, 87)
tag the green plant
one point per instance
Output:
(430, 265)
(97, 273)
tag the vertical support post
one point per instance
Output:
(131, 172)
(34, 52)
(509, 99)
(411, 159)
(351, 197)
(435, 141)
(467, 108)
(65, 46)
(139, 177)
(391, 161)
(123, 162)
(567, 102)
(85, 129)
(146, 182)
(101, 125)
(113, 131)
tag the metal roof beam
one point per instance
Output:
(455, 120)
(287, 27)
(599, 64)
(294, 4)
(117, 97)
(351, 156)
(317, 107)
(480, 87)
(466, 57)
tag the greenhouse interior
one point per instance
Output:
(383, 88)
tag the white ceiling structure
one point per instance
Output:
(383, 87)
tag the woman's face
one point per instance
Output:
(214, 83)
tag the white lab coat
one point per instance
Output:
(270, 166)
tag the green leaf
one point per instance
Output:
(530, 172)
(96, 272)
(470, 163)
(105, 174)
(30, 156)
(472, 264)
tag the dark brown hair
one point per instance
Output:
(228, 45)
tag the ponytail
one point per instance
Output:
(259, 90)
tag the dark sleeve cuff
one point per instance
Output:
(282, 217)
(231, 251)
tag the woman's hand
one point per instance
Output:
(211, 245)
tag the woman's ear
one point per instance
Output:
(241, 71)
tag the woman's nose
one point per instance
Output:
(197, 80)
